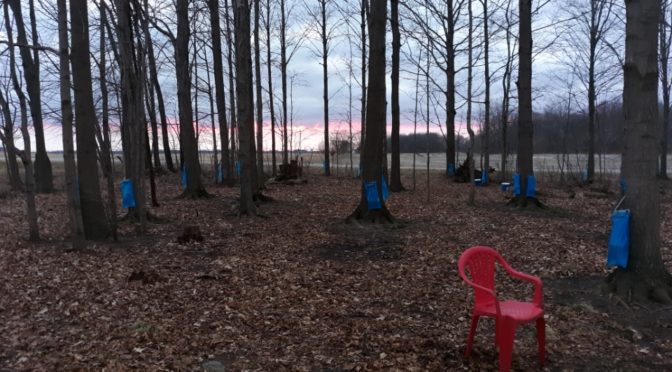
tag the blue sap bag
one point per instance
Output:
(619, 240)
(372, 199)
(127, 195)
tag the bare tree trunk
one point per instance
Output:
(395, 172)
(486, 65)
(283, 72)
(363, 17)
(271, 104)
(8, 140)
(470, 153)
(74, 207)
(133, 121)
(31, 73)
(665, 41)
(93, 211)
(325, 84)
(192, 165)
(645, 276)
(525, 128)
(154, 81)
(232, 87)
(105, 143)
(372, 157)
(31, 209)
(245, 112)
(220, 93)
(260, 107)
(506, 87)
(450, 90)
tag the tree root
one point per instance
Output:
(526, 202)
(377, 216)
(632, 287)
(195, 194)
(132, 216)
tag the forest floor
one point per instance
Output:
(298, 289)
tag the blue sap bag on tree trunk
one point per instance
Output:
(127, 194)
(619, 240)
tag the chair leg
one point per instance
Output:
(472, 331)
(541, 339)
(506, 332)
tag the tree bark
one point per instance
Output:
(232, 90)
(192, 165)
(470, 153)
(645, 276)
(154, 81)
(31, 73)
(283, 77)
(271, 104)
(93, 211)
(259, 106)
(525, 128)
(486, 108)
(8, 141)
(133, 121)
(362, 31)
(450, 89)
(245, 112)
(74, 206)
(325, 84)
(395, 172)
(372, 157)
(665, 41)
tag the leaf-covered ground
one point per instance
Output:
(298, 289)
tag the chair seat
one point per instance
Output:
(520, 311)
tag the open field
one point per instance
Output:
(300, 290)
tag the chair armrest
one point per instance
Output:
(538, 296)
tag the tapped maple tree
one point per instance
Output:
(645, 276)
(373, 152)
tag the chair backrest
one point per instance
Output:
(480, 263)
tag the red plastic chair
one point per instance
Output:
(480, 263)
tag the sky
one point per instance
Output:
(550, 75)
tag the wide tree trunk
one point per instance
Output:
(645, 276)
(525, 128)
(93, 211)
(192, 165)
(245, 112)
(372, 157)
(362, 25)
(31, 73)
(74, 206)
(395, 172)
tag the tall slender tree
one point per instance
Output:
(220, 93)
(395, 172)
(665, 43)
(271, 100)
(74, 206)
(31, 73)
(192, 165)
(93, 211)
(259, 98)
